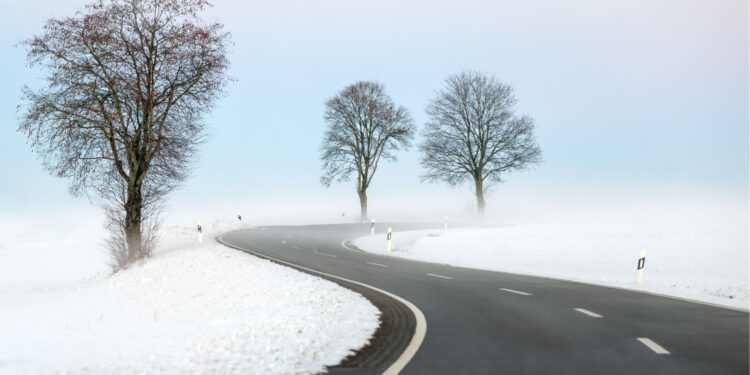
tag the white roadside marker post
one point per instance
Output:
(641, 265)
(200, 232)
(446, 224)
(239, 217)
(372, 227)
(389, 238)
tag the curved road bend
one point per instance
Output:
(483, 322)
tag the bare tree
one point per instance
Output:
(128, 83)
(364, 126)
(473, 134)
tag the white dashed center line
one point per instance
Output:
(324, 254)
(516, 292)
(376, 264)
(656, 348)
(295, 247)
(440, 276)
(589, 313)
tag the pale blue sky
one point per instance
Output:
(629, 96)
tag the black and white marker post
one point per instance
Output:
(372, 227)
(200, 232)
(239, 218)
(641, 264)
(389, 237)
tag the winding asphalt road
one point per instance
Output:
(483, 322)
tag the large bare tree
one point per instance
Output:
(364, 126)
(127, 85)
(473, 134)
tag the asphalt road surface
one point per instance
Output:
(484, 322)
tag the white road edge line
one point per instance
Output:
(587, 312)
(295, 247)
(516, 292)
(377, 264)
(419, 331)
(656, 348)
(343, 244)
(440, 276)
(324, 254)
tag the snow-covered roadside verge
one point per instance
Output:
(192, 308)
(704, 264)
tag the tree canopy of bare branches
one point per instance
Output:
(473, 134)
(364, 126)
(127, 85)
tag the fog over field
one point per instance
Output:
(642, 117)
(615, 127)
(635, 110)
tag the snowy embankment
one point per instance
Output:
(192, 308)
(705, 264)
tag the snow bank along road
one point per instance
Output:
(484, 322)
(190, 309)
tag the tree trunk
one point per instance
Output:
(479, 190)
(362, 205)
(133, 219)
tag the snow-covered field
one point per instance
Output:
(192, 308)
(709, 264)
